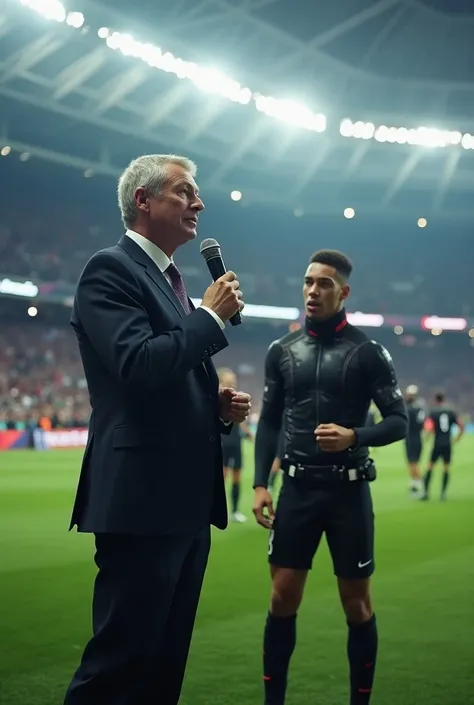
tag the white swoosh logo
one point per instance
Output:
(362, 565)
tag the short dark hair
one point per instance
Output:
(333, 258)
(439, 397)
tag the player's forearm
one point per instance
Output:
(266, 444)
(391, 429)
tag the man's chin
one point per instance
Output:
(314, 314)
(189, 233)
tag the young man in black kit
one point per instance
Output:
(443, 419)
(322, 379)
(232, 451)
(413, 440)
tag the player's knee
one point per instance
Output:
(357, 609)
(287, 593)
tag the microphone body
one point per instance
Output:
(211, 251)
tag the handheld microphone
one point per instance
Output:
(211, 251)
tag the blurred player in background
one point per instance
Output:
(442, 419)
(413, 441)
(232, 451)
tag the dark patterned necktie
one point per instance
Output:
(177, 284)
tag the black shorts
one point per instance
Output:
(232, 456)
(413, 450)
(443, 452)
(344, 512)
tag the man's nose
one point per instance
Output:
(198, 205)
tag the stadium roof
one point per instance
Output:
(94, 101)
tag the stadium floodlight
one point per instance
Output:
(467, 141)
(367, 320)
(422, 222)
(207, 79)
(349, 213)
(437, 323)
(32, 311)
(290, 112)
(16, 288)
(420, 136)
(272, 313)
(236, 195)
(5, 151)
(211, 80)
(75, 20)
(49, 9)
(398, 330)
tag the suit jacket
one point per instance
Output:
(153, 462)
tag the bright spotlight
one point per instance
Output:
(103, 32)
(32, 311)
(422, 222)
(5, 151)
(398, 330)
(75, 19)
(349, 213)
(471, 333)
(236, 195)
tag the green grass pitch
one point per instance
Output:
(423, 592)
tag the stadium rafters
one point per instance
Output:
(108, 107)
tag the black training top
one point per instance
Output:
(326, 373)
(443, 418)
(416, 421)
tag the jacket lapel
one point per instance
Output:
(139, 256)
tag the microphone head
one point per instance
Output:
(210, 248)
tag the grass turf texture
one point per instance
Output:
(422, 590)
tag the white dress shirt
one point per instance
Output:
(162, 261)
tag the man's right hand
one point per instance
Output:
(224, 296)
(262, 501)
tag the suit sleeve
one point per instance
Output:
(380, 376)
(109, 307)
(269, 425)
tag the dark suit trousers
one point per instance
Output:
(145, 600)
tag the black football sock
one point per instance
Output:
(427, 480)
(235, 494)
(362, 652)
(278, 645)
(445, 484)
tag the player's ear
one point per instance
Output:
(345, 291)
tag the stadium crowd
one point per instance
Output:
(33, 247)
(41, 376)
(40, 372)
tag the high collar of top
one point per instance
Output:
(328, 328)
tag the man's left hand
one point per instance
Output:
(333, 438)
(233, 406)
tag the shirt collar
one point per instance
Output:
(161, 260)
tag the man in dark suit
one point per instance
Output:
(156, 404)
